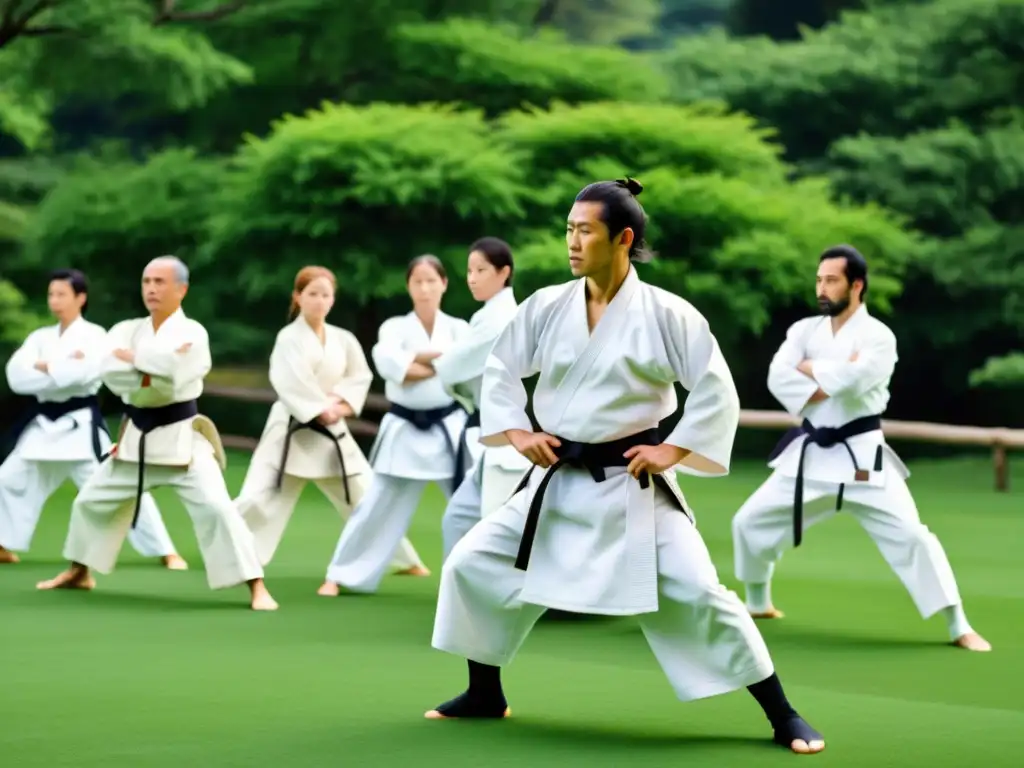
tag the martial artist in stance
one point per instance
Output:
(418, 437)
(157, 365)
(63, 435)
(600, 525)
(495, 471)
(321, 378)
(833, 371)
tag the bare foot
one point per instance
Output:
(435, 715)
(329, 589)
(802, 747)
(972, 641)
(796, 734)
(261, 599)
(75, 577)
(174, 563)
(415, 570)
(7, 557)
(771, 613)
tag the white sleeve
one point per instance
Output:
(355, 385)
(466, 360)
(512, 358)
(389, 354)
(294, 380)
(875, 363)
(161, 359)
(81, 371)
(788, 385)
(120, 377)
(711, 413)
(22, 376)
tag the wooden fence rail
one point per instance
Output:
(998, 439)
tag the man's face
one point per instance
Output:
(62, 300)
(590, 250)
(161, 291)
(834, 291)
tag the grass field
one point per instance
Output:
(153, 670)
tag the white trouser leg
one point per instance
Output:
(890, 517)
(463, 510)
(24, 488)
(150, 537)
(373, 533)
(102, 514)
(406, 555)
(479, 614)
(702, 635)
(267, 509)
(762, 529)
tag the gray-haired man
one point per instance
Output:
(157, 365)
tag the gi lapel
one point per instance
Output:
(612, 320)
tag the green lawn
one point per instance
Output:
(152, 669)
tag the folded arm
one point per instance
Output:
(711, 413)
(467, 359)
(22, 375)
(120, 376)
(873, 364)
(790, 386)
(80, 368)
(511, 359)
(395, 363)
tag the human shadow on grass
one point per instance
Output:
(133, 601)
(802, 637)
(605, 738)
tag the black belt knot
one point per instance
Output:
(294, 425)
(593, 457)
(425, 420)
(824, 437)
(148, 419)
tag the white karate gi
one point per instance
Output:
(610, 547)
(186, 455)
(49, 452)
(495, 472)
(305, 373)
(882, 504)
(404, 458)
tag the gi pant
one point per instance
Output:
(763, 531)
(102, 514)
(26, 485)
(701, 634)
(481, 492)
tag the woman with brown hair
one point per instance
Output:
(321, 378)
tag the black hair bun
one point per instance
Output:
(632, 185)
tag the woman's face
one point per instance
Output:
(484, 280)
(316, 299)
(426, 286)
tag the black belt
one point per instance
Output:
(593, 457)
(53, 411)
(825, 437)
(294, 425)
(148, 419)
(462, 453)
(427, 420)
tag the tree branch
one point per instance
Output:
(166, 13)
(15, 23)
(545, 14)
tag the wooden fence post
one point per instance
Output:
(1001, 466)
